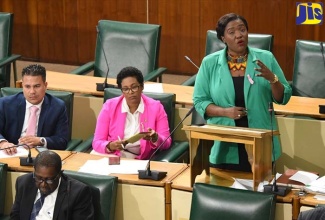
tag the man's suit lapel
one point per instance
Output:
(62, 193)
(43, 115)
(28, 200)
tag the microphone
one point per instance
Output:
(274, 188)
(26, 161)
(7, 148)
(186, 57)
(154, 174)
(102, 86)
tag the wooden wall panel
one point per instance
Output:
(180, 34)
(25, 33)
(63, 31)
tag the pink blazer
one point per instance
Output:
(111, 123)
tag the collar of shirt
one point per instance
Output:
(39, 105)
(125, 107)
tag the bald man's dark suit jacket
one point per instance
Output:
(317, 213)
(73, 201)
(53, 121)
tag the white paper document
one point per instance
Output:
(21, 152)
(304, 177)
(247, 184)
(102, 167)
(153, 87)
(317, 186)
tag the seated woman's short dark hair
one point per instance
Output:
(129, 72)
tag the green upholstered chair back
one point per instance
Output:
(210, 202)
(213, 44)
(167, 100)
(104, 191)
(261, 41)
(126, 44)
(309, 69)
(3, 181)
(6, 26)
(67, 97)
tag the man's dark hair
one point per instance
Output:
(35, 70)
(224, 20)
(129, 72)
(48, 159)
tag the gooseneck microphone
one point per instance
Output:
(274, 188)
(154, 174)
(102, 86)
(26, 161)
(186, 57)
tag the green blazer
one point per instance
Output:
(214, 85)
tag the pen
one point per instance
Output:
(121, 143)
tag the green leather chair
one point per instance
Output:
(309, 69)
(6, 58)
(179, 150)
(211, 202)
(67, 97)
(3, 182)
(125, 44)
(213, 44)
(104, 191)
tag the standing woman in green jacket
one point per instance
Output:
(234, 87)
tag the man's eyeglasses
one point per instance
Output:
(48, 181)
(133, 89)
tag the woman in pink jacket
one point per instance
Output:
(129, 114)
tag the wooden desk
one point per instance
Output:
(303, 106)
(257, 141)
(148, 191)
(87, 85)
(14, 162)
(78, 159)
(309, 200)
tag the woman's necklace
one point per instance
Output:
(237, 63)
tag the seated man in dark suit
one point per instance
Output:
(49, 194)
(33, 117)
(313, 214)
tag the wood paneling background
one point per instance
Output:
(63, 31)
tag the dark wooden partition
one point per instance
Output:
(63, 31)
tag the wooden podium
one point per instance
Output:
(257, 143)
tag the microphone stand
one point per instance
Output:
(26, 161)
(322, 50)
(274, 188)
(102, 86)
(154, 174)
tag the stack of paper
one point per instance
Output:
(317, 186)
(102, 167)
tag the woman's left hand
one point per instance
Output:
(152, 136)
(264, 71)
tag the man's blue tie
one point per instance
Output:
(37, 207)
